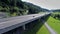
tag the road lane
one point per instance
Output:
(17, 17)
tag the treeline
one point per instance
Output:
(56, 15)
(17, 7)
(13, 7)
(57, 10)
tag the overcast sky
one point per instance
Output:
(48, 4)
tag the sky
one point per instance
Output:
(48, 4)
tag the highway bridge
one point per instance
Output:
(8, 24)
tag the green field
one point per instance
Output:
(43, 30)
(56, 13)
(38, 29)
(54, 23)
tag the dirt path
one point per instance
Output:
(50, 29)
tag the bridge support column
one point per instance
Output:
(24, 28)
(0, 33)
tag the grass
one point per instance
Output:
(43, 30)
(54, 23)
(56, 13)
(38, 29)
(42, 12)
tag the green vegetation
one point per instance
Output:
(43, 30)
(54, 23)
(56, 15)
(18, 7)
(13, 7)
(38, 29)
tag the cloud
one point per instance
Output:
(49, 4)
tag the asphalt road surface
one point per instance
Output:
(20, 17)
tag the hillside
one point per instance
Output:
(56, 10)
(17, 8)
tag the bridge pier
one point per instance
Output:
(24, 28)
(0, 33)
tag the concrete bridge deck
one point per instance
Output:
(8, 24)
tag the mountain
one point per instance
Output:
(34, 8)
(56, 10)
(17, 7)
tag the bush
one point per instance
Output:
(56, 16)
